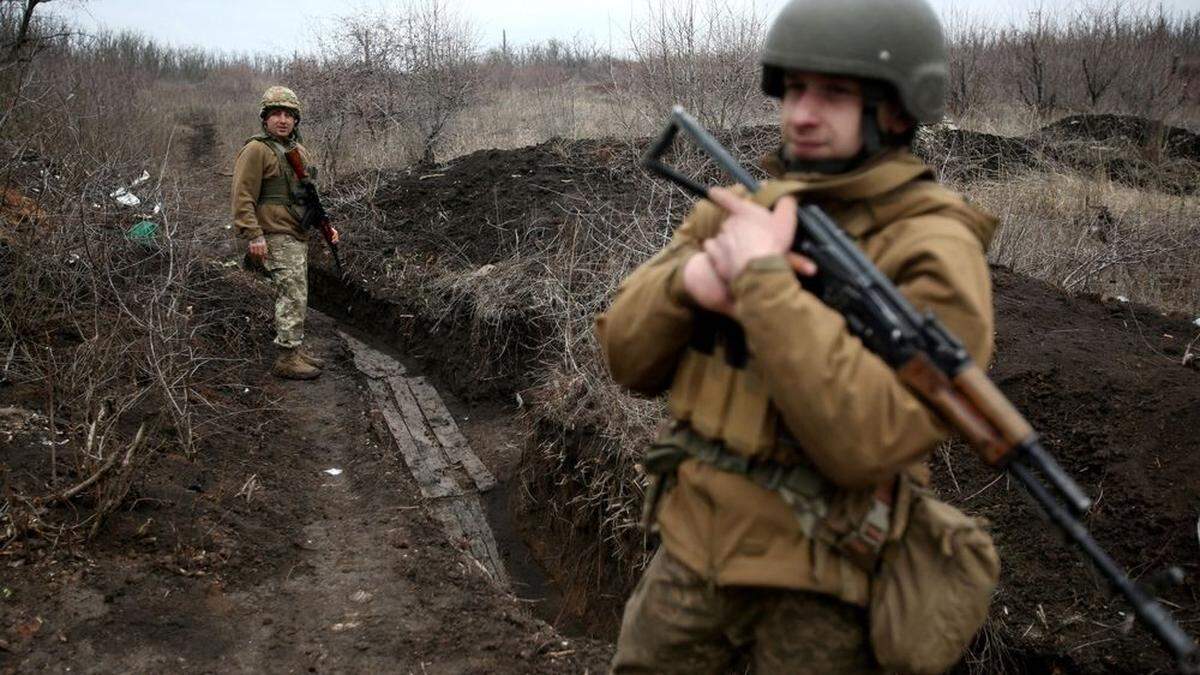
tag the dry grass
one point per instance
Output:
(1089, 235)
(518, 117)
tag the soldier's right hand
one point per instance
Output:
(705, 285)
(258, 248)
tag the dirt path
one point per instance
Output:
(294, 570)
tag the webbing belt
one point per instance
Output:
(799, 485)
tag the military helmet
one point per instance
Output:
(279, 97)
(898, 42)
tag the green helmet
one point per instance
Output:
(899, 42)
(279, 97)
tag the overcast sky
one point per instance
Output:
(279, 27)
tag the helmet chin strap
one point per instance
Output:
(872, 142)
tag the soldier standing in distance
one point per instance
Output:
(781, 464)
(268, 213)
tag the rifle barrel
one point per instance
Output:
(1151, 613)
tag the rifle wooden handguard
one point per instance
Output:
(972, 405)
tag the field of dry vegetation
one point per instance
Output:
(126, 348)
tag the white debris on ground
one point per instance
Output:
(333, 472)
(125, 197)
(1196, 322)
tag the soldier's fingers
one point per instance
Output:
(717, 253)
(783, 219)
(803, 265)
(785, 210)
(731, 202)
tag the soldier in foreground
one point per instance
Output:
(790, 461)
(268, 212)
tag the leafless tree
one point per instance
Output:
(1097, 38)
(1036, 42)
(701, 56)
(407, 72)
(968, 43)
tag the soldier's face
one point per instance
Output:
(280, 122)
(821, 116)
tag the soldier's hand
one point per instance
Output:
(751, 232)
(258, 248)
(705, 285)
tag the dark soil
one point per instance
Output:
(1103, 384)
(249, 557)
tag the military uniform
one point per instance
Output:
(266, 203)
(808, 393)
(790, 444)
(263, 183)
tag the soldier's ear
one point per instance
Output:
(893, 120)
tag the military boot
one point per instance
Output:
(291, 365)
(310, 359)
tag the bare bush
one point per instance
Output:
(115, 333)
(969, 40)
(701, 56)
(389, 86)
(1094, 236)
(1120, 56)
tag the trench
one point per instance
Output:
(401, 334)
(532, 553)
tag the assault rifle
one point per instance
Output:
(935, 366)
(315, 216)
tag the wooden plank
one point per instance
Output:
(431, 444)
(372, 362)
(431, 477)
(455, 445)
(422, 437)
(464, 523)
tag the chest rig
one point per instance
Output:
(282, 189)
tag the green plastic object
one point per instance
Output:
(143, 230)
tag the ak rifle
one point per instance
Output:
(935, 366)
(315, 215)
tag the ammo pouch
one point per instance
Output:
(931, 592)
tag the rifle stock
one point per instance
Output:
(935, 366)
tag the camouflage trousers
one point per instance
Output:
(287, 265)
(676, 622)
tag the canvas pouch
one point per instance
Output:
(933, 587)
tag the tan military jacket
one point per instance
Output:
(846, 410)
(255, 162)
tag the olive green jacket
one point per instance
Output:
(840, 407)
(256, 162)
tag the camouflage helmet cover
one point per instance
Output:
(280, 97)
(899, 42)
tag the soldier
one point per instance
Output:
(268, 214)
(776, 477)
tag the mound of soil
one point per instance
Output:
(1103, 383)
(1128, 150)
(471, 207)
(1139, 132)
